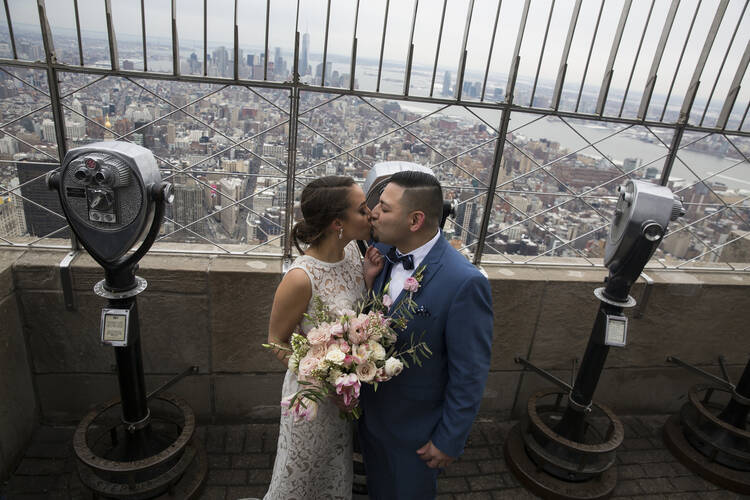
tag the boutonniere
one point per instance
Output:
(413, 283)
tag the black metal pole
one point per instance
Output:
(130, 366)
(736, 413)
(571, 426)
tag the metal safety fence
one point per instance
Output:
(530, 113)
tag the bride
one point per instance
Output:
(314, 458)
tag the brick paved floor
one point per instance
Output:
(240, 458)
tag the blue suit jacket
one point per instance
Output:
(439, 400)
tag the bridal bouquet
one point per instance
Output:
(342, 352)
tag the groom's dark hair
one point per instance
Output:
(422, 192)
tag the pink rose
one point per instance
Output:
(387, 301)
(411, 284)
(319, 335)
(358, 329)
(344, 346)
(307, 365)
(366, 371)
(318, 351)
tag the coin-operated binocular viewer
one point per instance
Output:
(565, 445)
(710, 433)
(114, 199)
(381, 173)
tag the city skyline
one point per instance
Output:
(225, 147)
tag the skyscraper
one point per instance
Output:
(304, 62)
(447, 84)
(39, 222)
(188, 207)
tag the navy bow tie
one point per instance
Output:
(394, 257)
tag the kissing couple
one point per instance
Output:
(417, 423)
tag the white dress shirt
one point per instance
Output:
(399, 274)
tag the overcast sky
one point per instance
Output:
(312, 14)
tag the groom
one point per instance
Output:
(418, 422)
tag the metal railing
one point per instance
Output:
(656, 76)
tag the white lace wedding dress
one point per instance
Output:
(314, 459)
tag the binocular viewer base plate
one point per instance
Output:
(553, 466)
(716, 473)
(161, 460)
(545, 485)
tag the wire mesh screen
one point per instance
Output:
(530, 113)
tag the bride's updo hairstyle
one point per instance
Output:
(322, 201)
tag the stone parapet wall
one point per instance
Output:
(18, 405)
(212, 312)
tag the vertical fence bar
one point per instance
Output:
(511, 87)
(54, 93)
(723, 61)
(648, 91)
(604, 91)
(205, 37)
(744, 116)
(410, 53)
(54, 88)
(679, 61)
(265, 57)
(588, 58)
(734, 89)
(496, 165)
(462, 61)
(114, 61)
(175, 41)
(143, 35)
(382, 44)
(492, 46)
(353, 65)
(325, 45)
(236, 44)
(437, 48)
(78, 31)
(676, 140)
(291, 167)
(635, 60)
(541, 53)
(687, 103)
(10, 30)
(563, 69)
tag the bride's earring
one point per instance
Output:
(341, 232)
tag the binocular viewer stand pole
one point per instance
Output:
(710, 433)
(146, 455)
(565, 445)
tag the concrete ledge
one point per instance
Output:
(212, 311)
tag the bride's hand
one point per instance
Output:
(373, 264)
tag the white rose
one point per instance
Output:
(366, 371)
(335, 355)
(377, 350)
(393, 367)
